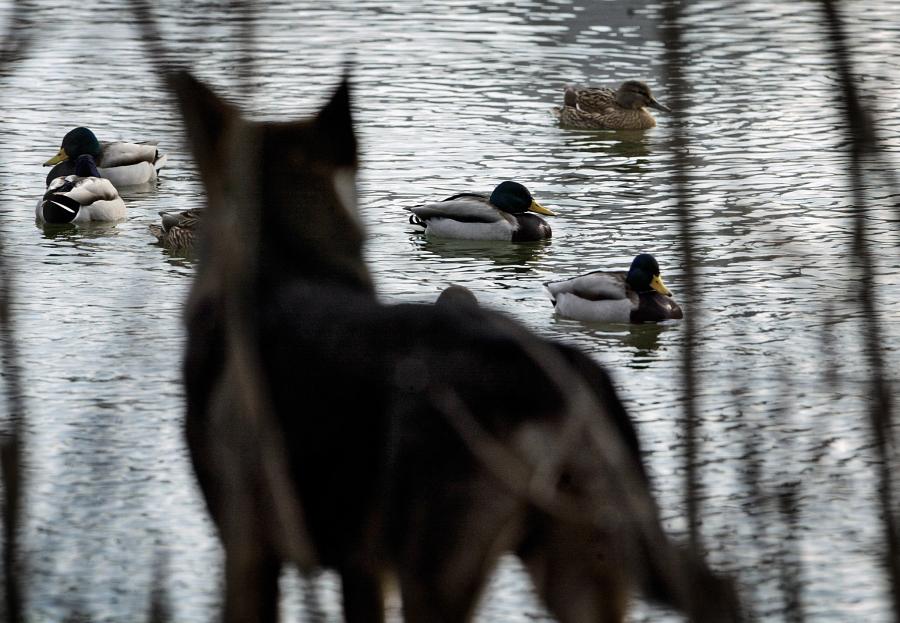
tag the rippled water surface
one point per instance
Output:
(455, 96)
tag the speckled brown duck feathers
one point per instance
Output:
(605, 109)
(178, 231)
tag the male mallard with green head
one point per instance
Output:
(123, 164)
(504, 215)
(605, 109)
(636, 296)
(81, 197)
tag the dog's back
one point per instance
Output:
(420, 441)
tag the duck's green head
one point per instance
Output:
(643, 276)
(76, 143)
(635, 94)
(514, 198)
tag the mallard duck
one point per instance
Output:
(179, 230)
(81, 197)
(123, 164)
(636, 296)
(471, 216)
(605, 109)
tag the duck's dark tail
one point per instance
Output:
(415, 220)
(58, 208)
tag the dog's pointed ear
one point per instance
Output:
(334, 128)
(206, 115)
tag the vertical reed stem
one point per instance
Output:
(863, 143)
(677, 83)
(16, 40)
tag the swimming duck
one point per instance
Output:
(123, 164)
(471, 216)
(605, 109)
(636, 296)
(81, 197)
(179, 230)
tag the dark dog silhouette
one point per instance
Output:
(409, 442)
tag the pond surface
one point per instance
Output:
(455, 96)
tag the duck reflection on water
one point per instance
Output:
(499, 253)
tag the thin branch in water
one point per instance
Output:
(787, 501)
(863, 143)
(10, 463)
(239, 307)
(246, 65)
(18, 36)
(791, 559)
(675, 56)
(16, 41)
(160, 604)
(151, 37)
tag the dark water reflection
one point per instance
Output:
(454, 96)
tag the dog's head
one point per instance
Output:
(281, 196)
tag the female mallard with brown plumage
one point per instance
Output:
(179, 230)
(605, 109)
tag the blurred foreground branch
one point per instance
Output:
(862, 144)
(675, 56)
(17, 37)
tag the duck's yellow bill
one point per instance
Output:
(536, 207)
(657, 284)
(61, 156)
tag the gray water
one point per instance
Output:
(454, 96)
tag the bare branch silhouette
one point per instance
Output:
(861, 134)
(17, 38)
(675, 58)
(241, 308)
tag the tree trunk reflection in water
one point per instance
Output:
(864, 143)
(16, 41)
(677, 82)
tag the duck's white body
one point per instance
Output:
(594, 297)
(123, 164)
(638, 295)
(507, 214)
(131, 164)
(86, 199)
(469, 218)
